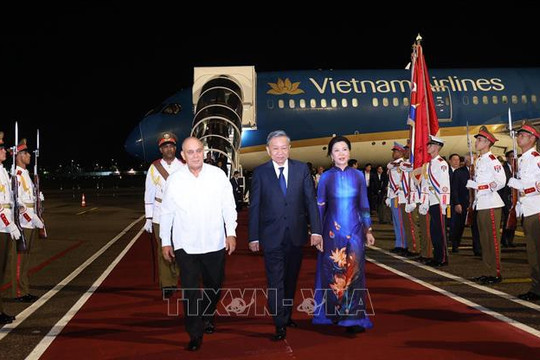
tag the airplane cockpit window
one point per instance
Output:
(333, 103)
(523, 99)
(495, 99)
(344, 103)
(375, 102)
(312, 103)
(302, 103)
(354, 102)
(514, 99)
(172, 109)
(154, 110)
(323, 103)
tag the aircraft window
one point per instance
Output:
(447, 100)
(292, 105)
(405, 101)
(323, 103)
(495, 99)
(395, 101)
(385, 102)
(523, 99)
(475, 100)
(172, 109)
(533, 99)
(313, 103)
(270, 104)
(375, 102)
(514, 99)
(505, 99)
(302, 103)
(355, 102)
(281, 104)
(344, 103)
(333, 103)
(485, 100)
(465, 100)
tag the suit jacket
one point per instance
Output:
(506, 192)
(459, 194)
(378, 187)
(271, 213)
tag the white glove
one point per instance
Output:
(406, 166)
(388, 202)
(390, 166)
(515, 183)
(423, 209)
(36, 221)
(471, 184)
(519, 210)
(14, 231)
(148, 226)
(41, 197)
(410, 207)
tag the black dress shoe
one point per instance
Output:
(529, 296)
(209, 327)
(292, 324)
(6, 319)
(356, 329)
(479, 279)
(28, 298)
(490, 280)
(281, 334)
(194, 343)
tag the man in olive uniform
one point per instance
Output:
(8, 230)
(156, 177)
(20, 261)
(528, 185)
(489, 177)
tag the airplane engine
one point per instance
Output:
(224, 103)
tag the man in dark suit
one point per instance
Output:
(377, 186)
(237, 190)
(507, 236)
(282, 200)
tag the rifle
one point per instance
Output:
(38, 207)
(21, 243)
(511, 222)
(469, 220)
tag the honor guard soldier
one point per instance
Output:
(8, 230)
(156, 177)
(489, 177)
(29, 220)
(396, 199)
(435, 199)
(528, 185)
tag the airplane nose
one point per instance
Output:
(134, 144)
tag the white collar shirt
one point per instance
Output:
(285, 170)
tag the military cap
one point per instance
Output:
(1, 139)
(22, 146)
(530, 128)
(397, 146)
(167, 138)
(435, 140)
(484, 132)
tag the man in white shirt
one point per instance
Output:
(156, 177)
(199, 210)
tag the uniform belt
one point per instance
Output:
(158, 200)
(29, 205)
(527, 191)
(483, 187)
(5, 206)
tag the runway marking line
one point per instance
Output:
(85, 211)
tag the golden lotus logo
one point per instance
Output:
(282, 87)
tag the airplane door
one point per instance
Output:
(443, 105)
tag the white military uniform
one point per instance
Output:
(529, 175)
(6, 201)
(436, 183)
(155, 184)
(27, 198)
(395, 181)
(486, 171)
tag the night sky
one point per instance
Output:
(85, 74)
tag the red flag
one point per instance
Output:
(422, 114)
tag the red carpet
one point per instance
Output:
(127, 319)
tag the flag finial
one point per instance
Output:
(418, 37)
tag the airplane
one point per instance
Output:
(370, 107)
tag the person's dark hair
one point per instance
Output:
(337, 139)
(351, 162)
(236, 172)
(508, 153)
(454, 154)
(368, 164)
